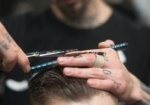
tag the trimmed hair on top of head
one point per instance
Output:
(51, 83)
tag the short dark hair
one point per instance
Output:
(51, 83)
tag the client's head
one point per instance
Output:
(51, 87)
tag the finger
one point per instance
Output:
(107, 85)
(9, 51)
(7, 66)
(105, 44)
(9, 61)
(82, 60)
(19, 57)
(87, 72)
(23, 61)
(90, 60)
(108, 60)
(7, 55)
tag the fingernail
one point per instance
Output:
(91, 82)
(61, 60)
(67, 71)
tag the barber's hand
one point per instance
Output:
(11, 53)
(104, 72)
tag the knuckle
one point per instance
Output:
(69, 60)
(120, 75)
(124, 86)
(90, 59)
(122, 89)
(96, 72)
(79, 72)
(110, 84)
(110, 41)
(11, 59)
(7, 67)
(112, 51)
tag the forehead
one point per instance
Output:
(95, 100)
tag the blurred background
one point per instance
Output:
(10, 7)
(138, 10)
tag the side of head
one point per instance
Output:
(51, 87)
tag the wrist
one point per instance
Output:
(145, 100)
(136, 93)
(139, 93)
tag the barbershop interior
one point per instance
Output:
(136, 10)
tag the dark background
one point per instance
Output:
(8, 7)
(12, 7)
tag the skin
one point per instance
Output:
(110, 77)
(95, 100)
(11, 53)
(113, 77)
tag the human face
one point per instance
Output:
(95, 100)
(72, 9)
